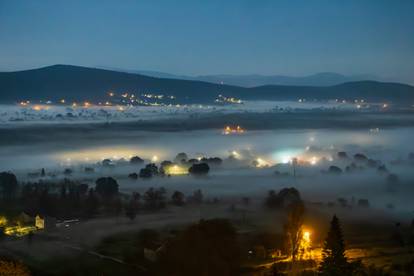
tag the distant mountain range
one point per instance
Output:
(81, 83)
(253, 80)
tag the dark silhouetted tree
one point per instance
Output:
(334, 261)
(68, 171)
(181, 157)
(131, 210)
(149, 171)
(133, 176)
(177, 198)
(155, 198)
(199, 169)
(145, 173)
(82, 189)
(106, 187)
(91, 204)
(334, 170)
(284, 198)
(196, 197)
(392, 182)
(360, 157)
(136, 160)
(8, 185)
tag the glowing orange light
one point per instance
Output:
(229, 130)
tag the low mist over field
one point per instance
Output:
(207, 138)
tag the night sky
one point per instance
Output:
(210, 37)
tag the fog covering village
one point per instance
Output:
(206, 138)
(142, 195)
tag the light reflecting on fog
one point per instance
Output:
(274, 146)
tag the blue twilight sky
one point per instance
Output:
(209, 37)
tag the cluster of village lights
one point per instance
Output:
(228, 100)
(233, 130)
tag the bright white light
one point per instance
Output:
(235, 154)
(286, 156)
(286, 159)
(154, 158)
(261, 163)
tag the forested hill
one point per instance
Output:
(82, 83)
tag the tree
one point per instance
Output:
(148, 171)
(91, 204)
(334, 261)
(334, 170)
(360, 157)
(155, 198)
(177, 198)
(181, 157)
(63, 192)
(196, 197)
(392, 182)
(82, 189)
(246, 201)
(136, 160)
(8, 184)
(145, 173)
(107, 163)
(153, 168)
(289, 196)
(67, 171)
(284, 198)
(2, 234)
(199, 169)
(117, 206)
(131, 210)
(133, 176)
(106, 187)
(293, 228)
